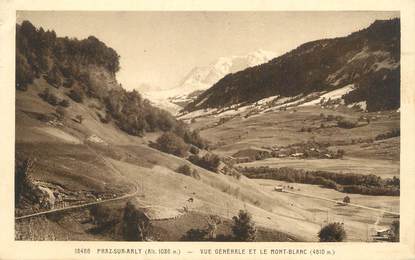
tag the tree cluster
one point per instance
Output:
(42, 52)
(169, 142)
(66, 62)
(243, 230)
(209, 161)
(186, 170)
(380, 90)
(332, 232)
(390, 134)
(346, 182)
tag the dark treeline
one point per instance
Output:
(208, 161)
(390, 134)
(385, 83)
(39, 51)
(346, 182)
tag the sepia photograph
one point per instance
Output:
(253, 126)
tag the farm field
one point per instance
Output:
(283, 128)
(381, 168)
(359, 223)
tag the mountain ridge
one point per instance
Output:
(362, 58)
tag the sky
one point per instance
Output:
(160, 48)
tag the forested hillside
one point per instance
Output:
(369, 59)
(85, 69)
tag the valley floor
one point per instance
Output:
(360, 223)
(72, 160)
(382, 168)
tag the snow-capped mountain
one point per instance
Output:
(202, 78)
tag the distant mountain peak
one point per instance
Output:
(201, 78)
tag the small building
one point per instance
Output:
(297, 154)
(327, 155)
(278, 188)
(382, 234)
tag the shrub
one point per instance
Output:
(330, 184)
(193, 137)
(332, 232)
(64, 103)
(194, 149)
(346, 199)
(54, 78)
(45, 117)
(394, 236)
(171, 143)
(136, 226)
(340, 153)
(52, 99)
(346, 124)
(61, 113)
(208, 161)
(184, 169)
(76, 95)
(104, 216)
(243, 227)
(390, 134)
(68, 82)
(104, 119)
(49, 97)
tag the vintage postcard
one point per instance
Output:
(176, 130)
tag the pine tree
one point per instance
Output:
(243, 227)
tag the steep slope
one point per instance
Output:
(67, 73)
(369, 59)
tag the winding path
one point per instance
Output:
(109, 164)
(135, 193)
